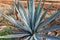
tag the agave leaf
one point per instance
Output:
(49, 20)
(39, 15)
(32, 38)
(15, 31)
(16, 1)
(37, 10)
(49, 7)
(19, 14)
(15, 22)
(22, 10)
(11, 19)
(24, 20)
(27, 38)
(18, 32)
(14, 36)
(50, 39)
(47, 36)
(54, 28)
(29, 12)
(29, 9)
(41, 9)
(33, 10)
(36, 38)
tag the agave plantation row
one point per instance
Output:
(33, 22)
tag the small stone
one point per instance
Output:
(58, 35)
(52, 33)
(2, 27)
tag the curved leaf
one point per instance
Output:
(49, 7)
(14, 36)
(24, 19)
(46, 36)
(36, 38)
(51, 39)
(27, 38)
(49, 19)
(32, 38)
(37, 9)
(53, 28)
(16, 1)
(39, 15)
(23, 12)
(31, 10)
(15, 22)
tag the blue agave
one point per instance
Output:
(32, 23)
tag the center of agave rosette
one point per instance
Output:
(33, 32)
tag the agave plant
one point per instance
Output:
(32, 23)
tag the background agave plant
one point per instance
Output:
(32, 23)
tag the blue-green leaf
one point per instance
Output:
(53, 28)
(37, 10)
(20, 7)
(41, 9)
(15, 22)
(14, 36)
(43, 16)
(39, 15)
(37, 38)
(28, 38)
(33, 10)
(29, 10)
(23, 12)
(47, 36)
(12, 20)
(51, 39)
(16, 1)
(49, 19)
(32, 38)
(24, 19)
